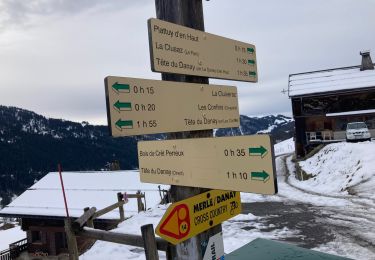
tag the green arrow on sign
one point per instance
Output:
(121, 87)
(258, 151)
(123, 105)
(124, 124)
(250, 50)
(260, 176)
(252, 73)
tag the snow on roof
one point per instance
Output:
(83, 189)
(357, 112)
(340, 79)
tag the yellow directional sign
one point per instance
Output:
(182, 50)
(140, 106)
(187, 218)
(241, 163)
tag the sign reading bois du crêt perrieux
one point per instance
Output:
(239, 163)
(140, 106)
(182, 50)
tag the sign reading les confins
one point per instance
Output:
(140, 106)
(187, 218)
(182, 50)
(240, 163)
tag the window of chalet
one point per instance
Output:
(60, 240)
(327, 124)
(340, 124)
(36, 236)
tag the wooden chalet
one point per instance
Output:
(41, 210)
(324, 101)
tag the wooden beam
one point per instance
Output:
(108, 209)
(90, 221)
(81, 221)
(120, 238)
(135, 196)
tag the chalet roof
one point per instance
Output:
(333, 80)
(83, 189)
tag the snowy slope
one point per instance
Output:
(342, 169)
(10, 236)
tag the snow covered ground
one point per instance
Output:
(341, 169)
(10, 236)
(343, 209)
(235, 235)
(350, 218)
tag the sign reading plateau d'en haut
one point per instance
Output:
(182, 50)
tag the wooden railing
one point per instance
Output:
(18, 247)
(5, 255)
(15, 249)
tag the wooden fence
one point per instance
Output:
(84, 227)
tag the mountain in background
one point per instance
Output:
(279, 126)
(32, 145)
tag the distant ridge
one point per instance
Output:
(31, 145)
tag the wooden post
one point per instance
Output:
(71, 239)
(149, 241)
(121, 207)
(187, 13)
(144, 199)
(90, 221)
(141, 207)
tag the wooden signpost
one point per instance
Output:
(182, 50)
(192, 216)
(185, 106)
(140, 106)
(240, 163)
(187, 13)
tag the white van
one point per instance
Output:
(357, 131)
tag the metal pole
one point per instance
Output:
(63, 190)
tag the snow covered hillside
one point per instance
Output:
(341, 168)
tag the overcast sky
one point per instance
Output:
(54, 54)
